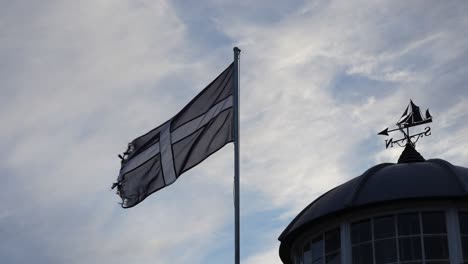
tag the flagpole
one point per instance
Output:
(236, 154)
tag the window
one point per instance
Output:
(463, 220)
(332, 247)
(435, 237)
(313, 251)
(321, 249)
(412, 238)
(409, 237)
(385, 241)
(361, 241)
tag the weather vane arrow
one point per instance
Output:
(411, 117)
(385, 131)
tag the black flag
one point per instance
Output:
(157, 158)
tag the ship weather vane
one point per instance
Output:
(411, 117)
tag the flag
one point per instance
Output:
(157, 158)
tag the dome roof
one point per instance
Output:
(411, 178)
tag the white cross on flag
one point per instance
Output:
(157, 158)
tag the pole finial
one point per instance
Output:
(236, 49)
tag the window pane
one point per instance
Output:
(384, 227)
(463, 219)
(360, 232)
(317, 248)
(465, 247)
(385, 251)
(318, 261)
(299, 259)
(307, 254)
(332, 241)
(410, 248)
(434, 223)
(334, 258)
(436, 247)
(408, 224)
(362, 254)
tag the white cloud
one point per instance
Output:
(86, 77)
(299, 140)
(270, 257)
(317, 83)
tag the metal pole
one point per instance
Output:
(236, 154)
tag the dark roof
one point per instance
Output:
(411, 178)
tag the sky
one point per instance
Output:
(318, 79)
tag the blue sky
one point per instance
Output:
(319, 79)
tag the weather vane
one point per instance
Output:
(410, 118)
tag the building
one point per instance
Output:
(413, 212)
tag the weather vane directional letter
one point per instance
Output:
(410, 118)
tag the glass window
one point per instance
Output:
(307, 253)
(408, 224)
(436, 247)
(384, 227)
(385, 251)
(322, 249)
(433, 223)
(298, 257)
(463, 220)
(361, 232)
(332, 241)
(464, 241)
(332, 246)
(333, 258)
(318, 261)
(361, 236)
(362, 253)
(407, 238)
(410, 248)
(313, 251)
(317, 249)
(435, 238)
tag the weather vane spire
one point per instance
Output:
(411, 117)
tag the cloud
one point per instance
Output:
(85, 80)
(307, 132)
(318, 81)
(270, 256)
